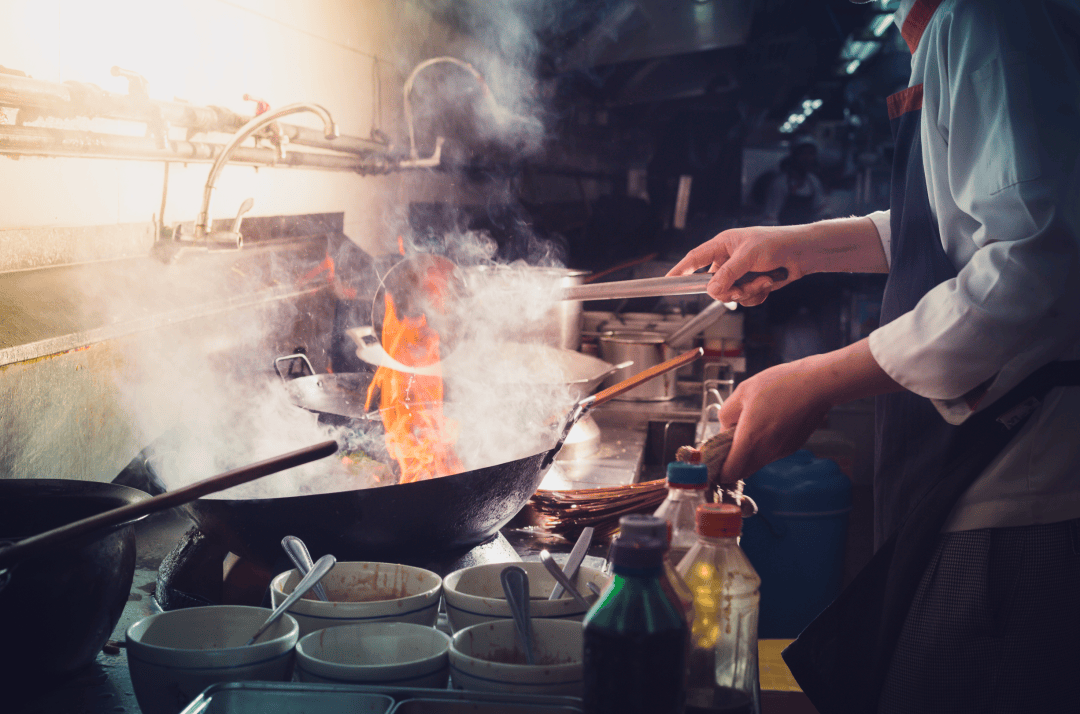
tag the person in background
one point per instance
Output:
(795, 195)
(970, 603)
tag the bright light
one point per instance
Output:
(787, 128)
(881, 23)
(860, 50)
(816, 104)
(852, 66)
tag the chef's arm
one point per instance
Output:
(775, 411)
(839, 245)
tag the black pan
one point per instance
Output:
(398, 521)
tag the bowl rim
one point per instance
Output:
(162, 656)
(381, 669)
(566, 667)
(278, 581)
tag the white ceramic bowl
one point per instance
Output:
(474, 595)
(376, 653)
(173, 656)
(364, 592)
(487, 658)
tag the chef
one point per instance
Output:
(972, 599)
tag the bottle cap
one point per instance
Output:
(681, 473)
(637, 525)
(641, 552)
(719, 520)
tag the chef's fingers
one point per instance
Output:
(713, 252)
(748, 294)
(736, 463)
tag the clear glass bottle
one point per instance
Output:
(686, 491)
(723, 666)
(641, 526)
(635, 637)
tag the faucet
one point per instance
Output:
(202, 224)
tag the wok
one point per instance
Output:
(399, 521)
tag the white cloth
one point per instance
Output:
(1000, 141)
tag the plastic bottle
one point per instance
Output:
(642, 526)
(635, 637)
(723, 666)
(686, 491)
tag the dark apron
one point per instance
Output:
(922, 464)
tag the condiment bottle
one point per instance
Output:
(635, 637)
(686, 491)
(723, 667)
(641, 526)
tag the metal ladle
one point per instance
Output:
(515, 582)
(301, 558)
(321, 568)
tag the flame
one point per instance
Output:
(418, 436)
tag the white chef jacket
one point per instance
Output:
(1000, 140)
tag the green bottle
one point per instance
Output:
(635, 637)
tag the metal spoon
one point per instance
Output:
(573, 561)
(515, 582)
(560, 576)
(301, 558)
(321, 568)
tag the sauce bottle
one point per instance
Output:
(635, 637)
(686, 484)
(642, 526)
(723, 666)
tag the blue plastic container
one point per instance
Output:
(797, 541)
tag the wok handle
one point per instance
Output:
(640, 378)
(34, 545)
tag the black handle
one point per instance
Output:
(777, 275)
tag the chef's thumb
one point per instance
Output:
(735, 463)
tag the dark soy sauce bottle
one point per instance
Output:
(635, 637)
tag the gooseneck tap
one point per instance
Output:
(330, 131)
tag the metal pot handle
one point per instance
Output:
(299, 356)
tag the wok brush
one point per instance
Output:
(713, 452)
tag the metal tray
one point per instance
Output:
(306, 698)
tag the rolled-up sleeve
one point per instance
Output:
(1000, 127)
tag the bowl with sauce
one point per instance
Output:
(474, 595)
(362, 592)
(488, 658)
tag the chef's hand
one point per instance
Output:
(837, 245)
(738, 251)
(775, 411)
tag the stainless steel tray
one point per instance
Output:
(305, 698)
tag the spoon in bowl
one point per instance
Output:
(321, 568)
(560, 577)
(301, 558)
(515, 582)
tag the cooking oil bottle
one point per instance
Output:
(722, 671)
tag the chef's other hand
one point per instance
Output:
(736, 252)
(774, 413)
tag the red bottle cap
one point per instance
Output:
(719, 520)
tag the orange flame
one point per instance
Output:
(418, 436)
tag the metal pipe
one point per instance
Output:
(646, 287)
(42, 141)
(202, 224)
(73, 99)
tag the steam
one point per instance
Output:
(507, 401)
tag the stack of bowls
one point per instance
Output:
(377, 653)
(173, 656)
(488, 657)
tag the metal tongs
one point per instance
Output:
(694, 284)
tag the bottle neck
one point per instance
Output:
(678, 490)
(626, 571)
